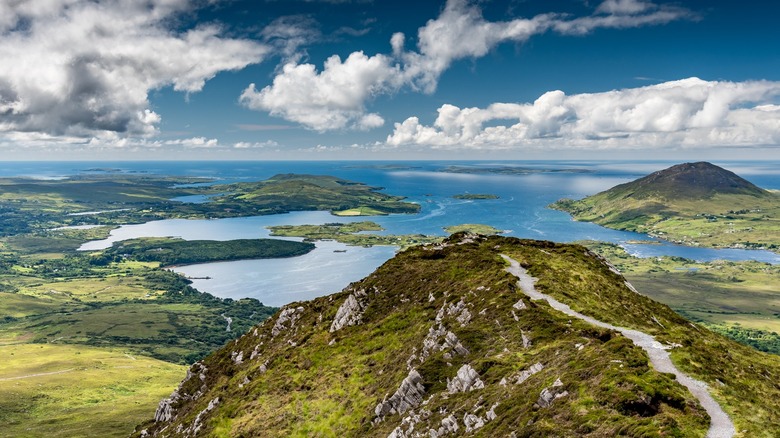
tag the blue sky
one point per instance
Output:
(295, 79)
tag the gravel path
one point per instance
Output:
(720, 423)
(36, 375)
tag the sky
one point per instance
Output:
(389, 80)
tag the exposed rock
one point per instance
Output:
(448, 425)
(244, 382)
(520, 305)
(464, 317)
(526, 339)
(197, 424)
(473, 422)
(286, 320)
(351, 311)
(408, 424)
(237, 357)
(439, 339)
(459, 310)
(525, 374)
(467, 379)
(255, 352)
(165, 410)
(491, 414)
(409, 395)
(548, 395)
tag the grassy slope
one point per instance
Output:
(101, 322)
(738, 298)
(722, 221)
(327, 384)
(114, 391)
(738, 376)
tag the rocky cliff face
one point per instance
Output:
(440, 341)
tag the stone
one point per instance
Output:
(350, 312)
(408, 395)
(550, 394)
(473, 422)
(286, 320)
(467, 379)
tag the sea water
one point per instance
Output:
(520, 210)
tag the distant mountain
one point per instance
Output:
(445, 341)
(691, 203)
(692, 181)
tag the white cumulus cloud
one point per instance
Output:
(331, 99)
(336, 96)
(689, 113)
(81, 68)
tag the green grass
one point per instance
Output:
(115, 390)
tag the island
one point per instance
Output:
(473, 196)
(355, 233)
(175, 252)
(509, 170)
(34, 206)
(691, 204)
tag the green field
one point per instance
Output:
(74, 390)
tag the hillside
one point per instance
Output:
(443, 340)
(690, 203)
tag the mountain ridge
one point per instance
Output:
(440, 340)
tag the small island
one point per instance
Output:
(486, 230)
(354, 233)
(472, 196)
(509, 170)
(174, 251)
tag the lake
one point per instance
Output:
(520, 210)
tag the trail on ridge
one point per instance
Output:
(721, 425)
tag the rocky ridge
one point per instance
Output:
(440, 341)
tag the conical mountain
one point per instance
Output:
(444, 341)
(697, 204)
(693, 181)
